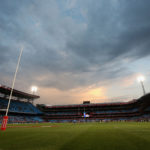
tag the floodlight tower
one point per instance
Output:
(141, 80)
(34, 89)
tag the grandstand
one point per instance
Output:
(21, 108)
(135, 110)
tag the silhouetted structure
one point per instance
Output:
(133, 110)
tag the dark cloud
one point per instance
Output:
(115, 28)
(76, 45)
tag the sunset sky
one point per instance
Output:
(76, 50)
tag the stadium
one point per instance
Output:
(82, 126)
(74, 75)
(22, 110)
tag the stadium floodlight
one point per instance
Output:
(5, 119)
(141, 79)
(34, 89)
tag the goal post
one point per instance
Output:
(5, 118)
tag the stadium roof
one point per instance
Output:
(92, 104)
(6, 91)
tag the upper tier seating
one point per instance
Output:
(147, 109)
(20, 107)
(116, 111)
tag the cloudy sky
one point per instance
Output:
(76, 50)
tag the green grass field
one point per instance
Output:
(83, 136)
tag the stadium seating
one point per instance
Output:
(122, 111)
(19, 106)
(147, 109)
(23, 111)
(116, 111)
(62, 113)
(22, 119)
